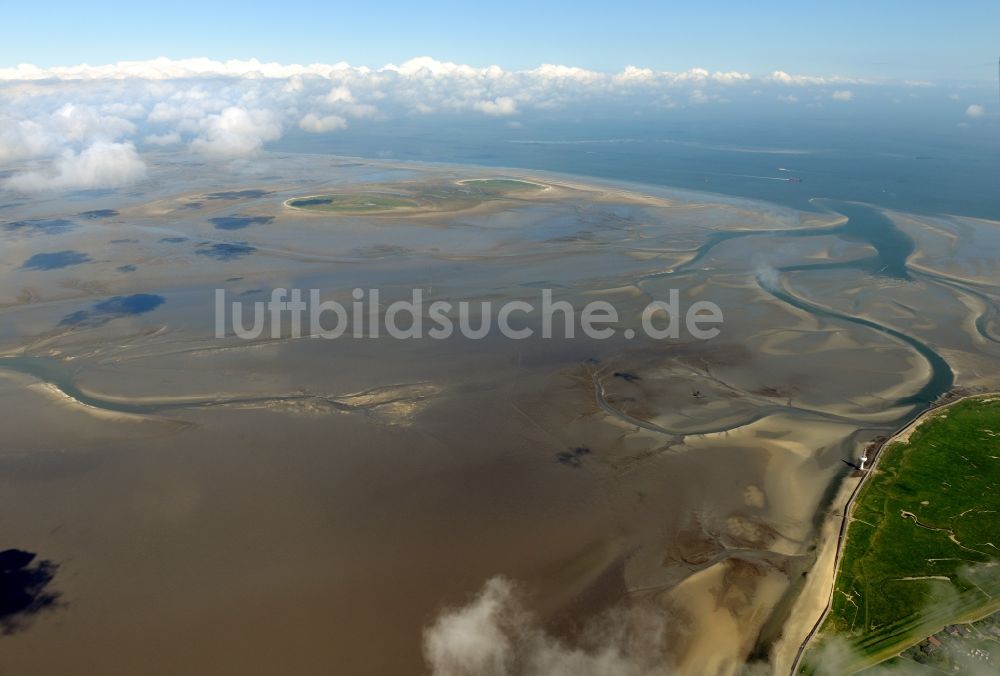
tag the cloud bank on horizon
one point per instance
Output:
(80, 127)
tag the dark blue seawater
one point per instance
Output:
(55, 260)
(108, 309)
(930, 164)
(225, 251)
(239, 222)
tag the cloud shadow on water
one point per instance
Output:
(24, 588)
(573, 457)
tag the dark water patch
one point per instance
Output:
(226, 251)
(55, 260)
(237, 194)
(24, 588)
(125, 240)
(238, 222)
(127, 268)
(193, 205)
(173, 240)
(99, 213)
(234, 279)
(573, 457)
(252, 292)
(40, 226)
(113, 308)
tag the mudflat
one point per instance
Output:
(288, 503)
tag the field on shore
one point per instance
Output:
(920, 550)
(434, 197)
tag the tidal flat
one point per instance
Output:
(306, 506)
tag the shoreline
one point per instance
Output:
(668, 192)
(408, 210)
(822, 581)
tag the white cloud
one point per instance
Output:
(494, 635)
(76, 122)
(340, 94)
(427, 67)
(167, 69)
(634, 74)
(418, 70)
(318, 125)
(232, 108)
(100, 165)
(359, 110)
(842, 95)
(502, 105)
(781, 77)
(475, 639)
(731, 77)
(975, 110)
(700, 75)
(236, 132)
(23, 139)
(168, 139)
(548, 71)
(698, 97)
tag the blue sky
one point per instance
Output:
(949, 42)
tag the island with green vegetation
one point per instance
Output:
(353, 202)
(421, 198)
(921, 548)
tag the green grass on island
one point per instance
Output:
(922, 546)
(353, 202)
(433, 197)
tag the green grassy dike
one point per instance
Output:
(923, 544)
